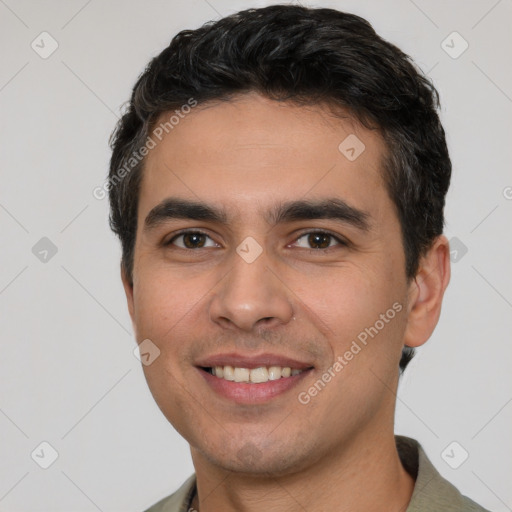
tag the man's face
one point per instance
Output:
(259, 289)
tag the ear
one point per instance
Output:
(128, 290)
(426, 293)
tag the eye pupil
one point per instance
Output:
(188, 237)
(321, 239)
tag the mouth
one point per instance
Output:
(245, 380)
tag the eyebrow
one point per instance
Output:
(329, 208)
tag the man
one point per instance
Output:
(278, 184)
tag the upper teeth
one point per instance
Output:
(256, 375)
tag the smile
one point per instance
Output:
(244, 386)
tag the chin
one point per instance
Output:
(254, 465)
(259, 457)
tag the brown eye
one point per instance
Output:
(319, 240)
(190, 240)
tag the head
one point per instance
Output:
(246, 118)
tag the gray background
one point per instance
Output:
(67, 369)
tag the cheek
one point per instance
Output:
(343, 299)
(361, 312)
(164, 303)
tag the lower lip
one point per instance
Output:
(256, 393)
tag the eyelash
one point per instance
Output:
(341, 242)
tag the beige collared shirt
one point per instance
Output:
(432, 493)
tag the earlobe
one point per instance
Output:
(426, 293)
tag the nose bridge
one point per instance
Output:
(251, 291)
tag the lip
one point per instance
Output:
(252, 361)
(254, 393)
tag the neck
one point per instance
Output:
(365, 476)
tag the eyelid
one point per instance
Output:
(341, 240)
(185, 232)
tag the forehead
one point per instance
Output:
(251, 151)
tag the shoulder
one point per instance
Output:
(431, 490)
(178, 501)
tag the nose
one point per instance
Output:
(251, 295)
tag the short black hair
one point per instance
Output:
(308, 56)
